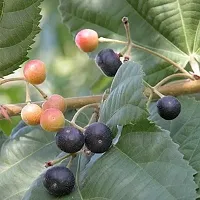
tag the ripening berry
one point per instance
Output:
(31, 113)
(70, 139)
(52, 120)
(108, 61)
(168, 107)
(35, 71)
(59, 181)
(98, 137)
(87, 40)
(55, 101)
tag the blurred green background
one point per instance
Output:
(69, 71)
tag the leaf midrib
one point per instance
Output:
(142, 169)
(178, 50)
(11, 166)
(183, 24)
(155, 28)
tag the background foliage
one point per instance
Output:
(153, 158)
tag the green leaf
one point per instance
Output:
(126, 102)
(145, 164)
(169, 27)
(149, 164)
(37, 191)
(185, 131)
(22, 159)
(19, 20)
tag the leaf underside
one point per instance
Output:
(22, 159)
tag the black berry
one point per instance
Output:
(59, 181)
(108, 61)
(70, 139)
(98, 137)
(168, 107)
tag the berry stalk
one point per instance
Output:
(129, 40)
(3, 81)
(108, 40)
(56, 161)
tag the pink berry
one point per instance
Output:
(52, 120)
(87, 40)
(35, 71)
(55, 101)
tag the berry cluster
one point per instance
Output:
(50, 115)
(96, 137)
(109, 62)
(73, 139)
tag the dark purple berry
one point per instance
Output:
(59, 181)
(70, 139)
(168, 107)
(98, 137)
(108, 61)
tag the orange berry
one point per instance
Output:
(52, 120)
(35, 71)
(31, 113)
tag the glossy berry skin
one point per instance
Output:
(55, 101)
(98, 137)
(168, 107)
(70, 139)
(52, 120)
(87, 40)
(59, 181)
(31, 114)
(35, 71)
(108, 61)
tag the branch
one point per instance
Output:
(175, 89)
(72, 103)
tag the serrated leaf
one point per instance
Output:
(22, 160)
(126, 102)
(38, 192)
(19, 20)
(185, 131)
(145, 164)
(169, 27)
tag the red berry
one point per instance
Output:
(55, 101)
(31, 113)
(87, 40)
(35, 71)
(52, 120)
